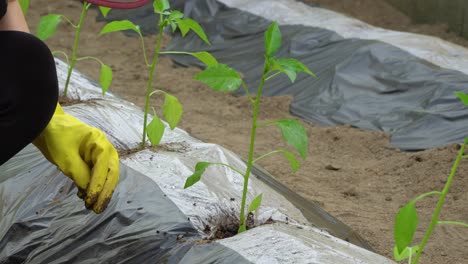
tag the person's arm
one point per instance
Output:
(14, 18)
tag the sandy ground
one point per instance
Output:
(372, 179)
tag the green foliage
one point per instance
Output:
(160, 6)
(406, 254)
(187, 24)
(104, 10)
(48, 26)
(24, 6)
(220, 77)
(463, 97)
(200, 168)
(175, 14)
(172, 110)
(295, 165)
(155, 130)
(105, 78)
(406, 222)
(255, 203)
(121, 25)
(206, 58)
(272, 39)
(295, 135)
(290, 67)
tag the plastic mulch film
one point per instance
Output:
(151, 218)
(368, 77)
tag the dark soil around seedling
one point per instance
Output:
(65, 101)
(180, 147)
(229, 229)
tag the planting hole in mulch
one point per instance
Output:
(229, 229)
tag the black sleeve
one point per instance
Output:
(3, 7)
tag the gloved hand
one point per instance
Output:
(84, 154)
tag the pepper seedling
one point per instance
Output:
(222, 78)
(47, 28)
(24, 4)
(172, 109)
(406, 220)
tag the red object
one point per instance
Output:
(119, 5)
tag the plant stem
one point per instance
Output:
(69, 22)
(144, 49)
(227, 166)
(435, 216)
(268, 154)
(271, 76)
(247, 92)
(251, 149)
(452, 223)
(75, 46)
(63, 53)
(150, 79)
(90, 58)
(424, 195)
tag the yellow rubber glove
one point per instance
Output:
(84, 154)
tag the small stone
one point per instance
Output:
(332, 168)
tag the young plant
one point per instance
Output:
(47, 28)
(220, 77)
(24, 6)
(406, 220)
(172, 109)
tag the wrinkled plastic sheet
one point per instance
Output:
(368, 77)
(151, 218)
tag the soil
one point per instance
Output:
(355, 175)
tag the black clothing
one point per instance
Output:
(3, 7)
(28, 90)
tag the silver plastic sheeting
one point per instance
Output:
(265, 245)
(290, 12)
(151, 218)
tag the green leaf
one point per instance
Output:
(206, 58)
(220, 78)
(160, 6)
(406, 254)
(463, 97)
(291, 67)
(173, 25)
(174, 14)
(106, 78)
(48, 26)
(24, 6)
(272, 39)
(256, 203)
(295, 135)
(172, 110)
(120, 26)
(292, 160)
(155, 130)
(406, 222)
(196, 176)
(187, 24)
(104, 10)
